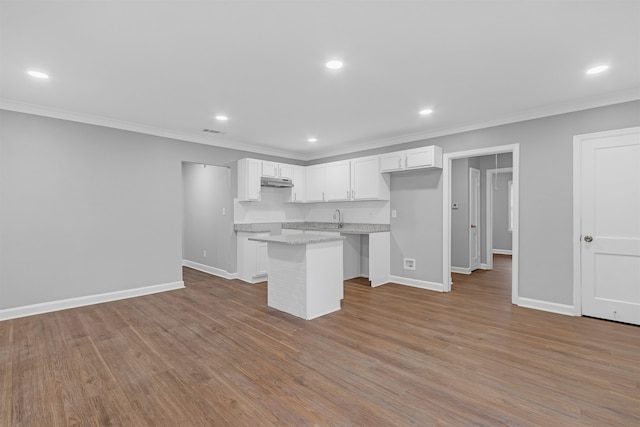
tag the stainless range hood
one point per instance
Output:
(266, 181)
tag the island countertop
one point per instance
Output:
(297, 239)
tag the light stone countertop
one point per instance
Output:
(347, 228)
(258, 227)
(297, 239)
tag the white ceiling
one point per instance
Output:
(167, 68)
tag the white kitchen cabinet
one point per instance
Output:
(277, 170)
(391, 162)
(338, 181)
(367, 183)
(315, 183)
(249, 171)
(299, 189)
(252, 257)
(416, 158)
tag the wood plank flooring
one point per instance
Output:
(215, 354)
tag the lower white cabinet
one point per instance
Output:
(252, 257)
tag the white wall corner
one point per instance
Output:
(210, 270)
(47, 307)
(484, 266)
(567, 310)
(422, 284)
(502, 252)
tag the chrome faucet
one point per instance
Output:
(338, 215)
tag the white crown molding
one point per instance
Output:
(221, 141)
(531, 114)
(345, 148)
(47, 307)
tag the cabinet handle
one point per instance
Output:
(323, 196)
(353, 194)
(347, 194)
(400, 163)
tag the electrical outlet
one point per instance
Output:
(409, 263)
(394, 213)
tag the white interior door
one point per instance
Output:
(474, 219)
(610, 226)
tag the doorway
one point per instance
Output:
(448, 158)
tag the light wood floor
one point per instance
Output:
(214, 354)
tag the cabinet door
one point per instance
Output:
(269, 169)
(249, 171)
(420, 157)
(391, 162)
(261, 258)
(285, 171)
(365, 174)
(298, 191)
(338, 181)
(315, 183)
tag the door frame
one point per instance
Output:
(446, 210)
(489, 214)
(478, 225)
(578, 141)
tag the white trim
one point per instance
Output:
(502, 251)
(446, 212)
(345, 148)
(217, 140)
(578, 140)
(489, 212)
(484, 266)
(375, 282)
(460, 270)
(567, 310)
(210, 270)
(422, 284)
(47, 307)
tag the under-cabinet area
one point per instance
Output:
(365, 248)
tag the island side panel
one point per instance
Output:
(286, 286)
(325, 286)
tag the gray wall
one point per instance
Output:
(417, 225)
(88, 209)
(546, 197)
(502, 237)
(206, 193)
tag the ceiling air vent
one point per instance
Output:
(211, 131)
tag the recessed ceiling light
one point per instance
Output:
(38, 74)
(312, 140)
(222, 118)
(597, 70)
(426, 112)
(334, 64)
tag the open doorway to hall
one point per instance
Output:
(482, 220)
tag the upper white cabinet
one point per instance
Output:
(316, 183)
(367, 183)
(299, 190)
(277, 170)
(349, 180)
(338, 181)
(249, 171)
(416, 158)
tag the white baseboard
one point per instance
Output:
(47, 307)
(422, 284)
(376, 281)
(484, 266)
(208, 269)
(460, 270)
(552, 307)
(502, 252)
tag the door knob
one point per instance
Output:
(588, 239)
(473, 226)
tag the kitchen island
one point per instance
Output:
(304, 273)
